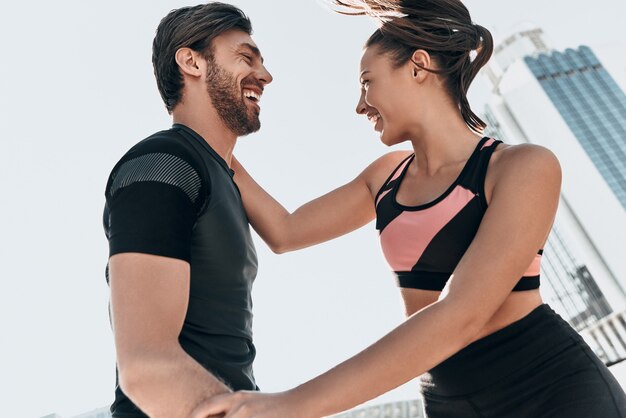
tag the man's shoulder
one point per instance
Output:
(167, 144)
(166, 157)
(167, 141)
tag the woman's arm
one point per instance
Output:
(336, 213)
(516, 224)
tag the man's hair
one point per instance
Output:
(191, 27)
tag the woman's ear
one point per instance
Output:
(189, 62)
(420, 60)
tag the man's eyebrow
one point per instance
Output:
(363, 73)
(252, 48)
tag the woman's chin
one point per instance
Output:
(387, 139)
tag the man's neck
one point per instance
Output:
(211, 128)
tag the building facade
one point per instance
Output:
(96, 413)
(403, 409)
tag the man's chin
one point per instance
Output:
(254, 129)
(254, 123)
(250, 128)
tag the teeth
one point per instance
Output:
(374, 118)
(251, 94)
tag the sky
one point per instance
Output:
(77, 90)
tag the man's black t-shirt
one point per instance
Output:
(172, 195)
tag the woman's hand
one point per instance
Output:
(247, 404)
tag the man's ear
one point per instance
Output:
(189, 62)
(419, 60)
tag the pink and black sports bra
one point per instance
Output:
(423, 244)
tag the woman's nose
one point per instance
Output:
(361, 106)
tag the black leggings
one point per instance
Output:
(537, 367)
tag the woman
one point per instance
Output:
(462, 222)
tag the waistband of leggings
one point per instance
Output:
(533, 339)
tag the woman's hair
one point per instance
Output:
(193, 27)
(443, 28)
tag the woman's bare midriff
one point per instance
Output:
(516, 306)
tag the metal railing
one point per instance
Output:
(607, 337)
(402, 409)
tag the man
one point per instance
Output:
(182, 260)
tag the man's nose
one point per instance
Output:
(265, 77)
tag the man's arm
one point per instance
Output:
(149, 297)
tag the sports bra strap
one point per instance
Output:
(394, 174)
(476, 176)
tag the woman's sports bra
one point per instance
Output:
(423, 244)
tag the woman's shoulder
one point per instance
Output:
(524, 162)
(508, 157)
(389, 161)
(376, 174)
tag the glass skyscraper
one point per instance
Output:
(592, 105)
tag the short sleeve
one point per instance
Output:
(153, 199)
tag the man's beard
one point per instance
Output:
(228, 99)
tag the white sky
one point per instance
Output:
(77, 90)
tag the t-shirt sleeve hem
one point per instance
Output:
(153, 247)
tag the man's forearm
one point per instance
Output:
(168, 383)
